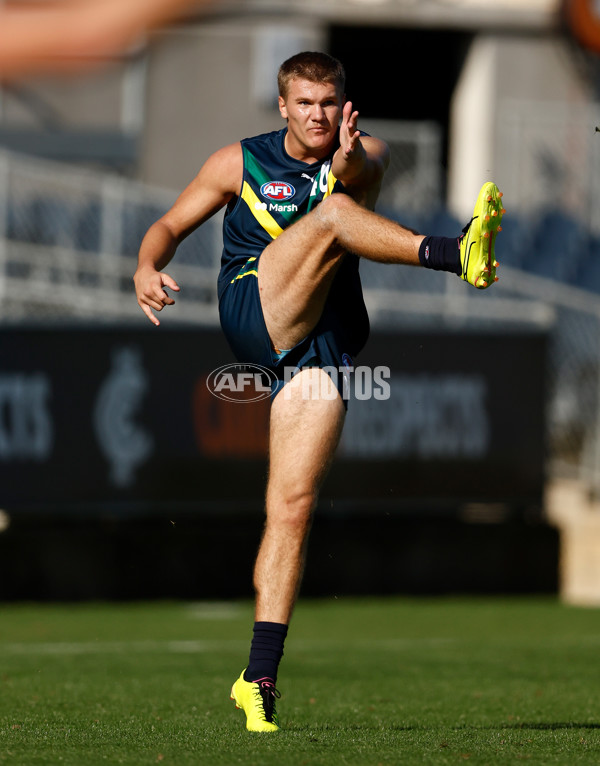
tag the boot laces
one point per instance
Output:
(268, 694)
(466, 228)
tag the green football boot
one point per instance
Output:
(478, 264)
(257, 700)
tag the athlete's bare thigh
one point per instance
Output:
(295, 273)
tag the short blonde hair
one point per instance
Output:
(313, 66)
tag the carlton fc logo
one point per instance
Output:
(277, 190)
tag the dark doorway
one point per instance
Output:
(400, 73)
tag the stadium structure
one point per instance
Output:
(462, 92)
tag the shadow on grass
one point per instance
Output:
(522, 725)
(548, 726)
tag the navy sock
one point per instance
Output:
(266, 650)
(441, 254)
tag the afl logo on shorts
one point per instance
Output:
(277, 190)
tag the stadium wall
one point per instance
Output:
(123, 476)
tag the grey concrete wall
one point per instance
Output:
(500, 71)
(208, 86)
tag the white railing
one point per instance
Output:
(69, 239)
(73, 260)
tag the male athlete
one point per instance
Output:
(290, 294)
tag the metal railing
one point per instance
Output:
(69, 240)
(68, 246)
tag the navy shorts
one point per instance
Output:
(339, 335)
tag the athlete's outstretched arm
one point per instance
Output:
(217, 182)
(360, 162)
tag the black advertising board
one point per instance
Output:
(464, 421)
(122, 420)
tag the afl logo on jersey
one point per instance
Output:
(277, 190)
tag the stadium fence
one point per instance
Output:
(69, 238)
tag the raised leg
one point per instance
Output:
(296, 270)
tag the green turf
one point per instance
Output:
(364, 682)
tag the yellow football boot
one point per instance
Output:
(257, 700)
(478, 264)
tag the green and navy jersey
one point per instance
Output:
(277, 190)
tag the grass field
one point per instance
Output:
(364, 682)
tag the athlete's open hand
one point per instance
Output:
(349, 133)
(150, 290)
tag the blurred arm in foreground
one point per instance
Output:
(70, 35)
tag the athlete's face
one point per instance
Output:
(313, 111)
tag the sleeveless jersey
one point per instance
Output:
(277, 190)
